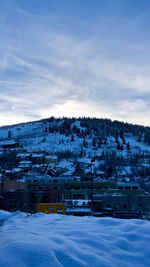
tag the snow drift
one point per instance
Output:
(55, 240)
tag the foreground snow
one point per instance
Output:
(55, 240)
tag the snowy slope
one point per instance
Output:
(34, 138)
(55, 241)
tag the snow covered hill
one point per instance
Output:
(59, 135)
(55, 240)
(118, 149)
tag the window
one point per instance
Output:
(78, 196)
(127, 187)
(120, 187)
(55, 181)
(76, 187)
(125, 206)
(135, 187)
(68, 187)
(45, 198)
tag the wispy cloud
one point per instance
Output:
(48, 67)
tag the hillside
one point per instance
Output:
(119, 146)
(90, 135)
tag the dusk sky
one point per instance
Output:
(74, 58)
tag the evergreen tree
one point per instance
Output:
(9, 134)
(84, 142)
(118, 145)
(72, 138)
(128, 146)
(94, 142)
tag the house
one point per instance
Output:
(9, 144)
(101, 174)
(124, 172)
(17, 173)
(37, 158)
(14, 174)
(24, 156)
(39, 168)
(51, 159)
(84, 162)
(65, 166)
(145, 160)
(26, 165)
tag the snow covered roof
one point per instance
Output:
(25, 162)
(38, 155)
(15, 170)
(11, 142)
(85, 160)
(55, 157)
(21, 155)
(125, 170)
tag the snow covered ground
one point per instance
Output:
(55, 240)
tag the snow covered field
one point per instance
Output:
(55, 240)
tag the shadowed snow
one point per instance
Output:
(57, 240)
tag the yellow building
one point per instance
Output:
(59, 208)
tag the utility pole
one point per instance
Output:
(3, 181)
(92, 160)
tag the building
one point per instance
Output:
(121, 203)
(51, 159)
(26, 165)
(37, 158)
(71, 187)
(24, 156)
(12, 185)
(9, 144)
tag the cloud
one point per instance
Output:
(48, 68)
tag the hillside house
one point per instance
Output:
(9, 144)
(39, 168)
(24, 156)
(37, 158)
(26, 165)
(52, 160)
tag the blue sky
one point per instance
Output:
(74, 58)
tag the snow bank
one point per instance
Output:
(54, 240)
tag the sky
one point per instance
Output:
(74, 58)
